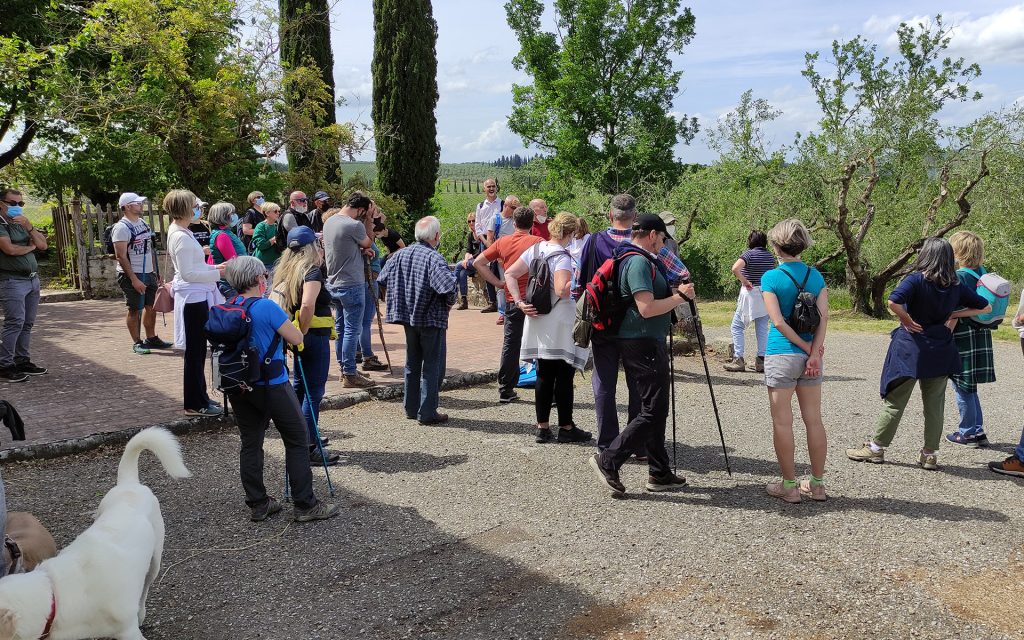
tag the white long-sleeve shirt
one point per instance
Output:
(194, 279)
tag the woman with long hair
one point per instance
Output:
(922, 350)
(300, 289)
(195, 291)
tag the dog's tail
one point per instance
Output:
(163, 444)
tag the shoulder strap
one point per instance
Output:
(799, 287)
(807, 275)
(972, 272)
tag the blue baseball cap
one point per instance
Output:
(300, 236)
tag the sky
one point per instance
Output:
(737, 46)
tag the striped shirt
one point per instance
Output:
(756, 263)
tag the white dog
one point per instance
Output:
(97, 586)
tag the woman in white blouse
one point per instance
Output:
(195, 291)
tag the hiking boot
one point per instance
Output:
(735, 365)
(440, 418)
(607, 479)
(463, 303)
(29, 369)
(543, 436)
(574, 434)
(865, 454)
(141, 348)
(316, 459)
(1012, 466)
(813, 490)
(320, 511)
(759, 364)
(373, 364)
(156, 343)
(779, 490)
(974, 442)
(11, 374)
(356, 381)
(265, 510)
(665, 483)
(491, 308)
(929, 461)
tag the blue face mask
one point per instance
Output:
(259, 202)
(234, 219)
(13, 210)
(197, 213)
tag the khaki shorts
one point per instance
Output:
(786, 370)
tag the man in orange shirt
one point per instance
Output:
(507, 250)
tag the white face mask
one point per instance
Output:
(300, 208)
(541, 219)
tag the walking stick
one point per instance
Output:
(380, 323)
(672, 377)
(707, 374)
(316, 427)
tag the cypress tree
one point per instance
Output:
(306, 41)
(404, 99)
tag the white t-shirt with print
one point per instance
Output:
(140, 252)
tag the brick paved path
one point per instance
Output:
(96, 384)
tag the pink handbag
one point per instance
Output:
(164, 300)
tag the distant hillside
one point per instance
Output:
(453, 171)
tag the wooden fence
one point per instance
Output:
(79, 230)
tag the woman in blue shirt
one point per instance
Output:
(793, 361)
(922, 349)
(274, 400)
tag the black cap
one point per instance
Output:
(650, 222)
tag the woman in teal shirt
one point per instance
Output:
(793, 361)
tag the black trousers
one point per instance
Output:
(554, 381)
(195, 314)
(645, 362)
(508, 368)
(252, 412)
(492, 293)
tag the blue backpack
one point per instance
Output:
(995, 290)
(239, 364)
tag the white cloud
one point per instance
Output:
(995, 38)
(496, 137)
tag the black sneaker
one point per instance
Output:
(574, 434)
(508, 399)
(317, 460)
(11, 374)
(491, 308)
(608, 479)
(320, 511)
(29, 369)
(665, 483)
(265, 510)
(543, 435)
(156, 343)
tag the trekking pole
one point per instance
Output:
(707, 374)
(672, 377)
(380, 323)
(316, 427)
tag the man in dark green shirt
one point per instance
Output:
(641, 339)
(19, 287)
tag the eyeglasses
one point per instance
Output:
(301, 199)
(14, 204)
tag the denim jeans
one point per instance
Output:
(348, 320)
(369, 313)
(20, 300)
(971, 419)
(462, 276)
(424, 368)
(739, 340)
(315, 360)
(1020, 448)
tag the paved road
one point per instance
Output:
(471, 530)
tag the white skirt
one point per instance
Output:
(549, 337)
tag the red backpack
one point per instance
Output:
(601, 305)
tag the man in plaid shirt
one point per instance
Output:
(420, 292)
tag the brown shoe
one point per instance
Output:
(463, 304)
(440, 418)
(491, 308)
(356, 381)
(373, 364)
(759, 364)
(735, 365)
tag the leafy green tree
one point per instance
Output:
(404, 99)
(603, 85)
(306, 42)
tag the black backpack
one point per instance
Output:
(108, 235)
(239, 364)
(805, 317)
(540, 287)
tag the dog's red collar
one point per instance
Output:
(53, 614)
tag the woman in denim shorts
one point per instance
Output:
(793, 361)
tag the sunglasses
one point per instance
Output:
(301, 199)
(15, 204)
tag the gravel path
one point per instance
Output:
(470, 530)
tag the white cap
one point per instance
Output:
(129, 198)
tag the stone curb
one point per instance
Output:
(71, 446)
(72, 295)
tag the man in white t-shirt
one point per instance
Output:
(137, 272)
(485, 212)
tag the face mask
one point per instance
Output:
(13, 210)
(234, 219)
(259, 202)
(300, 208)
(542, 219)
(197, 213)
